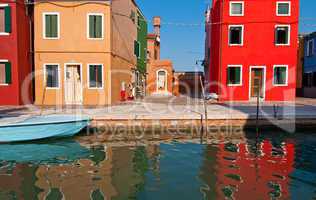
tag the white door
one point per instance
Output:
(73, 88)
(161, 81)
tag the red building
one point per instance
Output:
(250, 45)
(15, 57)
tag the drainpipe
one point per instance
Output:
(220, 49)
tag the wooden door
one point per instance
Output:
(257, 82)
(73, 90)
(161, 81)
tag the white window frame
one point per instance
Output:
(44, 25)
(308, 47)
(287, 76)
(242, 35)
(5, 61)
(88, 79)
(277, 8)
(88, 28)
(241, 77)
(230, 8)
(59, 77)
(2, 6)
(289, 34)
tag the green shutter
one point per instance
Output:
(99, 76)
(7, 16)
(8, 79)
(228, 75)
(91, 27)
(98, 26)
(237, 75)
(136, 48)
(48, 26)
(92, 76)
(54, 26)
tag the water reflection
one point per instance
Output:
(266, 168)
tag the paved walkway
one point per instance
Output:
(171, 108)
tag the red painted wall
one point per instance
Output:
(259, 22)
(16, 48)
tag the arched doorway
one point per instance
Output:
(161, 81)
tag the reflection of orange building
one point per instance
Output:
(160, 72)
(78, 181)
(243, 175)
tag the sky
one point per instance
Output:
(184, 45)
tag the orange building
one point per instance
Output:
(160, 73)
(84, 51)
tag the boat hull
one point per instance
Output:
(42, 128)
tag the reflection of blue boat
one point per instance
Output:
(43, 127)
(41, 153)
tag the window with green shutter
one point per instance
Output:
(280, 75)
(52, 76)
(137, 49)
(5, 73)
(51, 25)
(234, 75)
(96, 26)
(95, 76)
(5, 19)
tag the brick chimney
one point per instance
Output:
(157, 25)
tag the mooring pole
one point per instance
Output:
(258, 102)
(205, 106)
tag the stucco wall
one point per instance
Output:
(72, 47)
(153, 68)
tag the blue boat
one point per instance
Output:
(43, 127)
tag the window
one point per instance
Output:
(283, 8)
(308, 79)
(5, 73)
(95, 22)
(51, 25)
(282, 35)
(236, 35)
(52, 75)
(310, 48)
(236, 8)
(137, 49)
(314, 79)
(280, 75)
(5, 19)
(234, 75)
(133, 16)
(95, 76)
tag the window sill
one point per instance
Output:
(91, 88)
(234, 85)
(282, 45)
(51, 38)
(235, 45)
(236, 15)
(280, 85)
(95, 38)
(52, 88)
(283, 15)
(4, 84)
(4, 34)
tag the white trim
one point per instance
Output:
(242, 35)
(4, 33)
(308, 48)
(287, 76)
(166, 87)
(59, 77)
(264, 80)
(5, 61)
(88, 78)
(88, 28)
(230, 8)
(81, 81)
(241, 77)
(277, 8)
(44, 25)
(289, 34)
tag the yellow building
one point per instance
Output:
(84, 51)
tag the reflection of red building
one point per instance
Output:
(248, 176)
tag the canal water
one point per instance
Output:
(272, 166)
